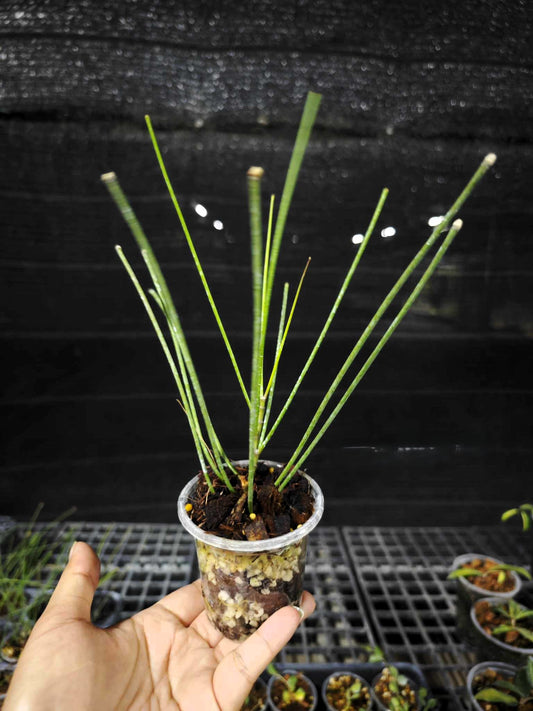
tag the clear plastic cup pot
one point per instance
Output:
(244, 582)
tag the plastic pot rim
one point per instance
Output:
(268, 544)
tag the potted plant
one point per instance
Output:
(396, 692)
(503, 629)
(346, 691)
(257, 698)
(494, 686)
(291, 691)
(478, 576)
(250, 517)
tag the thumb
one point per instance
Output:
(74, 592)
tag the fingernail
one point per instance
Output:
(300, 611)
(71, 551)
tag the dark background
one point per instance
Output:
(415, 95)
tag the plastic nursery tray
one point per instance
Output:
(338, 631)
(318, 672)
(402, 575)
(149, 560)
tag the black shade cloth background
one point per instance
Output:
(440, 429)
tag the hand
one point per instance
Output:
(167, 657)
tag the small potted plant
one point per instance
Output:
(291, 691)
(479, 576)
(346, 691)
(503, 629)
(257, 698)
(251, 517)
(494, 686)
(396, 692)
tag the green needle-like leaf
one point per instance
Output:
(195, 256)
(111, 182)
(298, 458)
(332, 313)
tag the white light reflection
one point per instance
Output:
(218, 225)
(388, 232)
(436, 220)
(357, 239)
(200, 210)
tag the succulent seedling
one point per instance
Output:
(516, 693)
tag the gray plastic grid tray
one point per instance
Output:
(149, 560)
(338, 631)
(373, 585)
(410, 603)
(152, 560)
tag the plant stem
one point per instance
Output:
(281, 329)
(195, 257)
(187, 374)
(190, 413)
(331, 316)
(259, 325)
(298, 459)
(111, 182)
(300, 145)
(286, 330)
(487, 162)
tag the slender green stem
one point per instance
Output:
(116, 192)
(187, 402)
(281, 330)
(331, 316)
(298, 459)
(188, 373)
(487, 162)
(286, 331)
(259, 325)
(267, 259)
(191, 418)
(195, 257)
(300, 145)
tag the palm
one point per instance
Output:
(166, 658)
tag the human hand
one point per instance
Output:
(167, 657)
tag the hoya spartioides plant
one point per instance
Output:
(245, 517)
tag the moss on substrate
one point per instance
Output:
(241, 591)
